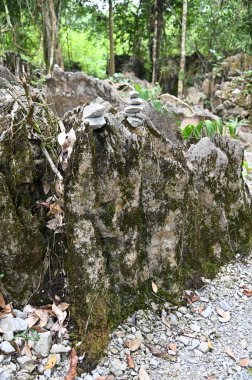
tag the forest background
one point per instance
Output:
(145, 34)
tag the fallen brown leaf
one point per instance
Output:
(73, 365)
(61, 315)
(63, 306)
(230, 352)
(130, 361)
(160, 353)
(133, 344)
(143, 375)
(154, 287)
(2, 301)
(173, 347)
(247, 292)
(51, 362)
(244, 362)
(224, 314)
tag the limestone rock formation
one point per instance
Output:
(139, 208)
(139, 205)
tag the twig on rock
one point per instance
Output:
(53, 167)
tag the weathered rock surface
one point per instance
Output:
(138, 206)
(140, 209)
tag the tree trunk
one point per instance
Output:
(157, 34)
(183, 51)
(111, 41)
(52, 52)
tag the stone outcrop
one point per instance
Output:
(139, 206)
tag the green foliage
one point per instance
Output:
(151, 96)
(28, 334)
(211, 128)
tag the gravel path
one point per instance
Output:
(199, 340)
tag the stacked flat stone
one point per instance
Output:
(133, 110)
(93, 114)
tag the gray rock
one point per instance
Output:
(43, 346)
(133, 94)
(24, 360)
(134, 122)
(195, 343)
(203, 347)
(59, 348)
(93, 110)
(117, 367)
(96, 122)
(207, 312)
(224, 305)
(173, 320)
(194, 327)
(133, 109)
(4, 375)
(136, 101)
(7, 348)
(184, 339)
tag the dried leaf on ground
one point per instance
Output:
(154, 287)
(32, 320)
(43, 317)
(160, 353)
(143, 375)
(224, 314)
(244, 362)
(46, 187)
(165, 321)
(61, 315)
(134, 344)
(191, 297)
(173, 347)
(51, 362)
(230, 352)
(55, 209)
(211, 377)
(130, 361)
(63, 306)
(2, 301)
(6, 310)
(247, 292)
(210, 344)
(73, 366)
(27, 350)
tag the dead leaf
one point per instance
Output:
(173, 347)
(130, 361)
(55, 209)
(61, 315)
(51, 362)
(63, 306)
(210, 344)
(230, 353)
(46, 187)
(247, 292)
(165, 321)
(73, 365)
(134, 344)
(2, 301)
(42, 316)
(101, 378)
(190, 297)
(32, 320)
(159, 353)
(6, 310)
(154, 287)
(224, 314)
(244, 362)
(211, 377)
(143, 375)
(27, 350)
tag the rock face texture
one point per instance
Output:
(140, 209)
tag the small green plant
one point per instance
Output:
(151, 96)
(211, 128)
(1, 275)
(247, 170)
(28, 334)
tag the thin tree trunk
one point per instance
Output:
(111, 41)
(157, 34)
(183, 51)
(52, 52)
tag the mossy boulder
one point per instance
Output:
(139, 208)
